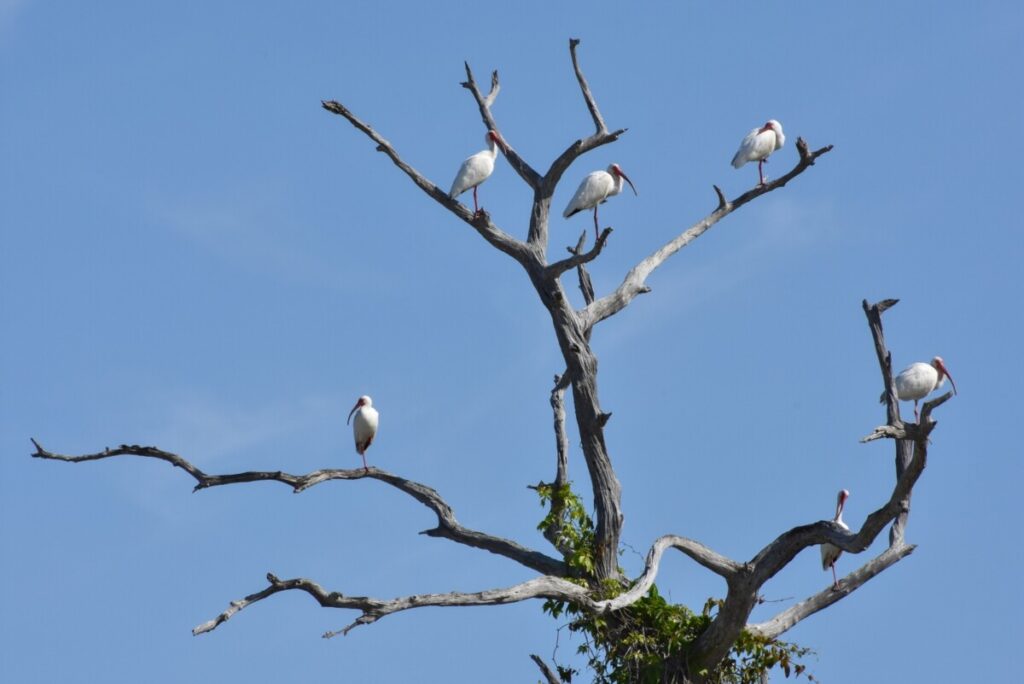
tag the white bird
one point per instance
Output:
(364, 427)
(595, 189)
(918, 380)
(758, 144)
(829, 552)
(477, 168)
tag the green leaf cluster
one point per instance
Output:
(648, 640)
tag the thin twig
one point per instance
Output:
(595, 113)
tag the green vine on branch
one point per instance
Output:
(649, 640)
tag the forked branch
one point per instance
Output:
(448, 526)
(525, 171)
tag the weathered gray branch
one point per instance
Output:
(771, 629)
(743, 587)
(373, 609)
(588, 97)
(904, 447)
(580, 258)
(715, 562)
(548, 673)
(481, 222)
(634, 282)
(525, 171)
(448, 526)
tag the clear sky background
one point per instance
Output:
(195, 255)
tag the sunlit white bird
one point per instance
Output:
(918, 380)
(478, 168)
(758, 144)
(829, 552)
(595, 189)
(364, 427)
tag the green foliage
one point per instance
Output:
(639, 644)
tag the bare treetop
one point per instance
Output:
(584, 573)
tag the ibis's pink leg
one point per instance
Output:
(595, 224)
(365, 467)
(760, 172)
(917, 416)
(476, 209)
(835, 580)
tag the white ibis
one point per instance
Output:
(364, 427)
(595, 189)
(829, 552)
(478, 168)
(918, 380)
(758, 144)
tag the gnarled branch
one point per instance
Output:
(785, 620)
(373, 609)
(715, 562)
(548, 673)
(634, 282)
(447, 525)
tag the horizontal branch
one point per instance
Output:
(771, 629)
(373, 609)
(634, 282)
(447, 525)
(480, 221)
(715, 562)
(525, 171)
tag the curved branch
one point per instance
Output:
(479, 221)
(447, 525)
(715, 562)
(634, 282)
(525, 171)
(770, 629)
(373, 609)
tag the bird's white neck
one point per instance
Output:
(492, 147)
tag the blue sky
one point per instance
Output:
(195, 255)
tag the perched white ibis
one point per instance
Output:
(829, 552)
(478, 168)
(758, 144)
(918, 380)
(595, 189)
(364, 427)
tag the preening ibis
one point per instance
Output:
(758, 144)
(829, 552)
(595, 189)
(478, 168)
(364, 427)
(918, 380)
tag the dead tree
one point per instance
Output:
(598, 587)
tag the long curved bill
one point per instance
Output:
(946, 371)
(349, 419)
(623, 174)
